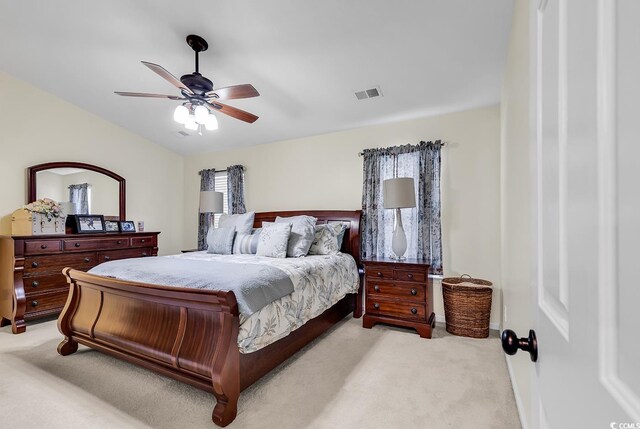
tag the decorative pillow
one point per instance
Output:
(273, 239)
(247, 243)
(220, 240)
(326, 239)
(302, 234)
(242, 222)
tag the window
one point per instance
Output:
(221, 186)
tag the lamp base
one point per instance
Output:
(399, 239)
(398, 258)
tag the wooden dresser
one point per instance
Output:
(31, 281)
(398, 293)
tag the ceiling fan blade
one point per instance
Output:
(232, 111)
(234, 92)
(167, 76)
(144, 94)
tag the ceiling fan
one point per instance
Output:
(200, 99)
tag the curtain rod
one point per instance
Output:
(437, 142)
(221, 171)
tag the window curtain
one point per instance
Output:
(207, 183)
(79, 197)
(235, 189)
(422, 223)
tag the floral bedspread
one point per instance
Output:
(319, 281)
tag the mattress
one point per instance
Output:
(313, 284)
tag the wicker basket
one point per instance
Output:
(467, 306)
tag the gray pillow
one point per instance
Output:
(246, 243)
(327, 239)
(242, 222)
(273, 239)
(302, 234)
(220, 240)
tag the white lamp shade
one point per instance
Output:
(212, 122)
(211, 202)
(399, 193)
(180, 114)
(201, 114)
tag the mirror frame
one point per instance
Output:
(34, 169)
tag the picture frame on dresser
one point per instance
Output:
(127, 226)
(111, 225)
(86, 224)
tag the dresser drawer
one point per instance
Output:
(374, 272)
(36, 304)
(38, 247)
(45, 283)
(403, 310)
(97, 244)
(53, 264)
(143, 241)
(411, 276)
(123, 254)
(402, 291)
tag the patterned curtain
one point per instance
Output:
(235, 189)
(79, 197)
(207, 183)
(422, 223)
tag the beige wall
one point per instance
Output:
(516, 202)
(64, 132)
(325, 172)
(105, 191)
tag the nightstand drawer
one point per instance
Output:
(411, 276)
(374, 272)
(403, 291)
(403, 310)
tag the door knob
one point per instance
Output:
(511, 343)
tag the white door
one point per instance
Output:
(586, 150)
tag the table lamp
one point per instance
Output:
(399, 193)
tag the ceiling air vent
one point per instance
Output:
(183, 134)
(368, 93)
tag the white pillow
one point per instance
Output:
(220, 240)
(273, 239)
(302, 234)
(246, 243)
(242, 222)
(327, 239)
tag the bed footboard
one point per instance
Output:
(190, 335)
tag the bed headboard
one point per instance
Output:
(351, 218)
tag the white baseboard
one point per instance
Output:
(492, 326)
(516, 394)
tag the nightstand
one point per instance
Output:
(398, 293)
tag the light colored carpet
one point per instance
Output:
(349, 377)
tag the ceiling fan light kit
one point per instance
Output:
(199, 98)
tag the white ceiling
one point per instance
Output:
(306, 58)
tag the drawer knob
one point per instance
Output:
(43, 246)
(87, 259)
(142, 240)
(376, 288)
(410, 275)
(34, 264)
(119, 241)
(414, 310)
(106, 258)
(144, 254)
(77, 244)
(34, 303)
(376, 305)
(379, 274)
(414, 292)
(35, 283)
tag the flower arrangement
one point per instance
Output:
(45, 206)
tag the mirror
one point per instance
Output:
(90, 189)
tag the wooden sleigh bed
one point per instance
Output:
(190, 334)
